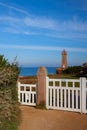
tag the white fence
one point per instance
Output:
(61, 94)
(67, 94)
(86, 96)
(27, 94)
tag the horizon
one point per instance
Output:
(38, 31)
(46, 66)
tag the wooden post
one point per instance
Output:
(41, 86)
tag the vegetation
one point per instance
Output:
(42, 105)
(76, 71)
(9, 106)
(83, 72)
(73, 70)
(28, 79)
(62, 76)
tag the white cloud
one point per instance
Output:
(68, 35)
(39, 22)
(14, 8)
(15, 30)
(30, 33)
(44, 48)
(11, 30)
(66, 25)
(74, 25)
(74, 28)
(9, 18)
(69, 30)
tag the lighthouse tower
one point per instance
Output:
(64, 60)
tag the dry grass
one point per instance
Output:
(28, 79)
(33, 79)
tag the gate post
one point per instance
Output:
(41, 86)
(83, 93)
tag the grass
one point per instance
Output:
(33, 79)
(41, 106)
(9, 125)
(63, 76)
(28, 79)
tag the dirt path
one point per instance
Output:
(35, 119)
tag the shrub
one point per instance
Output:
(9, 106)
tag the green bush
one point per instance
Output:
(9, 106)
(72, 70)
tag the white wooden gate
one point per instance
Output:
(61, 94)
(67, 94)
(27, 94)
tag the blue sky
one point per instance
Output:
(36, 31)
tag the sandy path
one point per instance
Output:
(35, 119)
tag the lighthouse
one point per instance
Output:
(64, 60)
